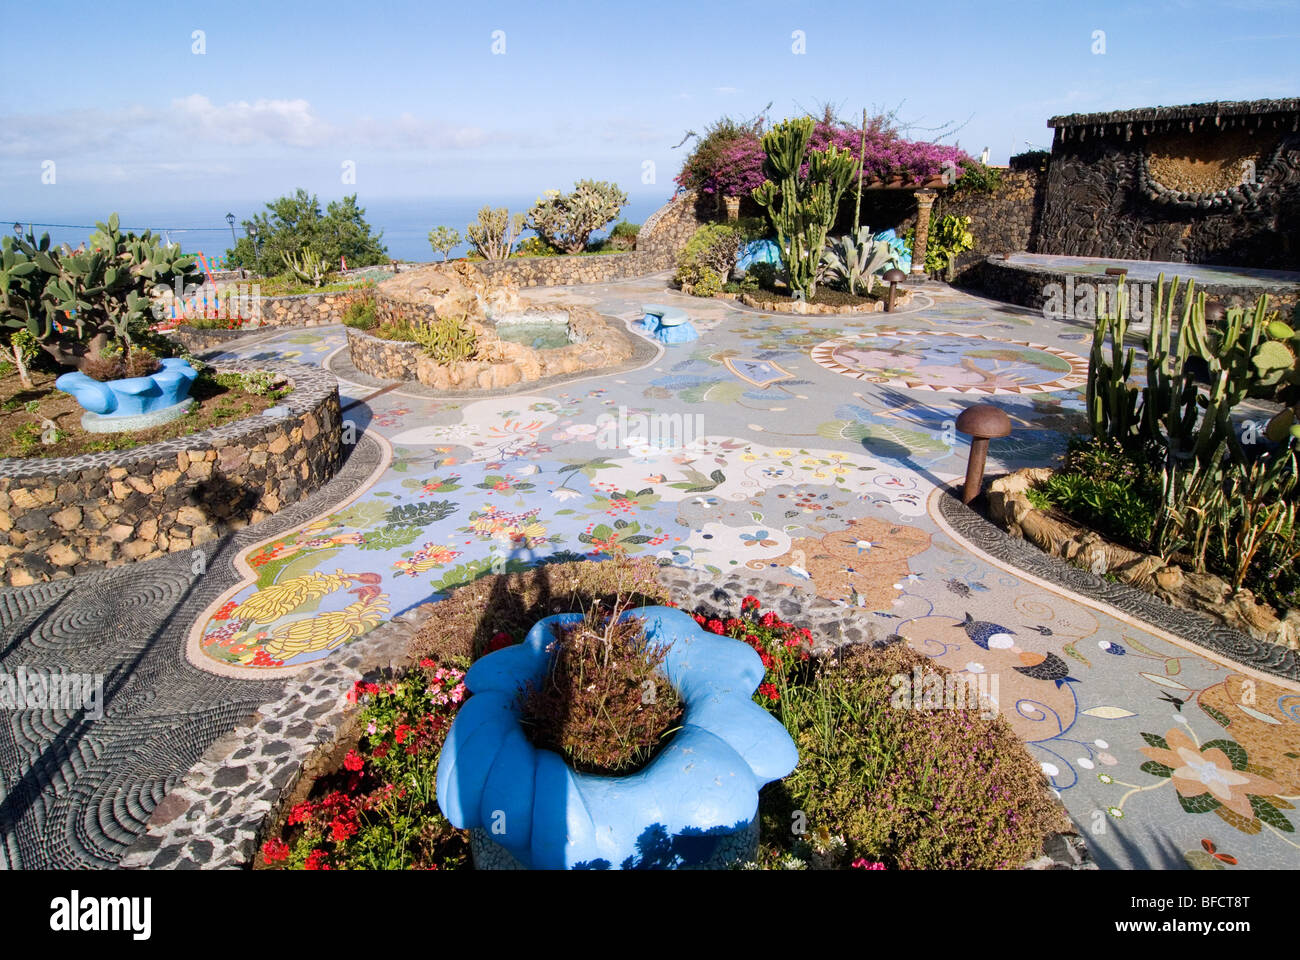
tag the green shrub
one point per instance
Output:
(535, 247)
(1101, 486)
(709, 284)
(624, 234)
(979, 178)
(712, 249)
(296, 222)
(360, 314)
(882, 781)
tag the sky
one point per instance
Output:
(182, 112)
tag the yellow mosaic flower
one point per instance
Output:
(275, 601)
(324, 631)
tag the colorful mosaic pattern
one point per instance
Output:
(953, 362)
(1163, 755)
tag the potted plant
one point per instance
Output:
(86, 308)
(694, 804)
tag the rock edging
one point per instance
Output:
(67, 515)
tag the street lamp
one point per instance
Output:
(18, 229)
(230, 219)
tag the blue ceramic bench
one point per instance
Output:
(667, 324)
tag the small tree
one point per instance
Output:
(494, 232)
(802, 207)
(567, 220)
(444, 240)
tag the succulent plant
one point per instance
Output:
(75, 302)
(307, 266)
(802, 208)
(853, 259)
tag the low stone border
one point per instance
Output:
(598, 343)
(1194, 627)
(380, 358)
(198, 339)
(239, 791)
(67, 515)
(1010, 508)
(901, 299)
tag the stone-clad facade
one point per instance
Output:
(1204, 183)
(64, 516)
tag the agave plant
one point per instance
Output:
(853, 259)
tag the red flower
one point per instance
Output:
(274, 851)
(401, 733)
(300, 813)
(381, 751)
(315, 861)
(769, 619)
(353, 761)
(748, 602)
(341, 829)
(769, 690)
(863, 864)
(499, 640)
(427, 663)
(716, 626)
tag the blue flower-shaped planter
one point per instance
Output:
(690, 803)
(132, 402)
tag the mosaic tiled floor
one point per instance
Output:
(769, 459)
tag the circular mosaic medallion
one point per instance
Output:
(952, 362)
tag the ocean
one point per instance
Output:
(405, 223)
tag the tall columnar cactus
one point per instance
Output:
(307, 266)
(802, 208)
(76, 302)
(1111, 400)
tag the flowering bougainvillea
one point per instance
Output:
(734, 166)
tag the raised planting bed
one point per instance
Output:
(1009, 505)
(235, 459)
(825, 301)
(340, 772)
(593, 342)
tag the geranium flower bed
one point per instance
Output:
(877, 786)
(377, 812)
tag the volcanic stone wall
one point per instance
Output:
(1205, 183)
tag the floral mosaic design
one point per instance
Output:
(952, 362)
(819, 481)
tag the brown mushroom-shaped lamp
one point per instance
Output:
(982, 423)
(893, 277)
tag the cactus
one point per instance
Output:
(446, 339)
(852, 260)
(310, 267)
(802, 209)
(566, 221)
(76, 302)
(493, 233)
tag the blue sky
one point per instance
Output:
(412, 94)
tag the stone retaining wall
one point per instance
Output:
(382, 359)
(64, 516)
(1004, 220)
(310, 309)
